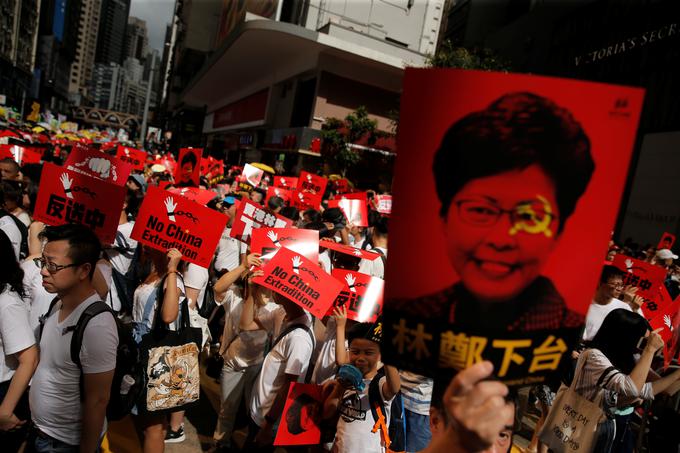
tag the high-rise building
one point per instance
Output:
(136, 39)
(113, 19)
(107, 85)
(18, 41)
(57, 44)
(83, 65)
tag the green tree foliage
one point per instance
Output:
(450, 56)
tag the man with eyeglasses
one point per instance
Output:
(606, 299)
(64, 419)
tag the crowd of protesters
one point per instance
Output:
(261, 342)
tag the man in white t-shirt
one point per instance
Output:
(605, 300)
(286, 362)
(63, 418)
(230, 251)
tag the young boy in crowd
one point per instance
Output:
(355, 424)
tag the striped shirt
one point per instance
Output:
(416, 392)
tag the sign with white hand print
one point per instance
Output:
(268, 241)
(361, 294)
(300, 280)
(167, 220)
(69, 197)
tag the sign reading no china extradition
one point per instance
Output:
(300, 280)
(167, 220)
(69, 197)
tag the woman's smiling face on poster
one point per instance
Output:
(500, 231)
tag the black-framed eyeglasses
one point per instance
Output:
(51, 267)
(530, 216)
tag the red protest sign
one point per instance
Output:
(69, 197)
(341, 185)
(187, 173)
(349, 250)
(301, 417)
(355, 210)
(273, 191)
(211, 167)
(21, 154)
(252, 175)
(644, 276)
(134, 157)
(384, 205)
(251, 215)
(285, 182)
(200, 196)
(666, 242)
(300, 280)
(361, 294)
(167, 220)
(310, 189)
(268, 241)
(98, 165)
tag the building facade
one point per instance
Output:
(112, 26)
(136, 40)
(83, 64)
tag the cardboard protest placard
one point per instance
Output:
(341, 185)
(349, 250)
(252, 175)
(98, 165)
(310, 189)
(355, 210)
(300, 280)
(167, 220)
(268, 241)
(512, 170)
(251, 215)
(644, 276)
(134, 157)
(301, 417)
(666, 242)
(285, 182)
(384, 204)
(273, 191)
(200, 196)
(22, 154)
(188, 171)
(69, 197)
(361, 294)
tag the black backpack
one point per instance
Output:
(127, 359)
(127, 283)
(397, 426)
(23, 247)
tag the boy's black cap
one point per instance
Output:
(367, 330)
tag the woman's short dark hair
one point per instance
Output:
(313, 215)
(189, 157)
(618, 337)
(294, 414)
(11, 274)
(275, 203)
(83, 244)
(514, 132)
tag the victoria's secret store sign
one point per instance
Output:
(628, 44)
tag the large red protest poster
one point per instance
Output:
(251, 215)
(188, 171)
(284, 194)
(200, 196)
(22, 154)
(512, 171)
(355, 210)
(300, 280)
(666, 242)
(644, 276)
(301, 416)
(285, 182)
(98, 165)
(268, 241)
(168, 220)
(134, 157)
(310, 189)
(69, 197)
(361, 294)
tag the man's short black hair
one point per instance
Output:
(608, 272)
(516, 131)
(380, 226)
(9, 160)
(84, 245)
(275, 203)
(334, 216)
(313, 215)
(290, 212)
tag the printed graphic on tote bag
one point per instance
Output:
(173, 377)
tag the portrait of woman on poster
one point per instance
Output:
(508, 178)
(186, 170)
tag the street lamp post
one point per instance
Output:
(148, 97)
